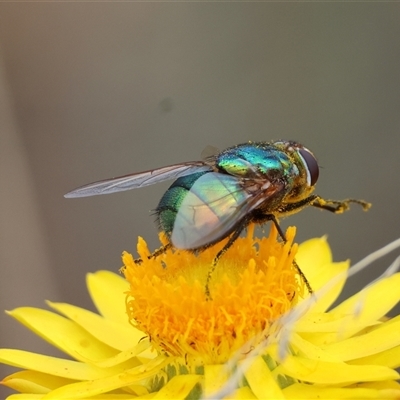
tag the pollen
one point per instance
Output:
(254, 284)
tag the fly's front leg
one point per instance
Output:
(299, 271)
(155, 253)
(338, 206)
(271, 217)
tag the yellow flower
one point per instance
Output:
(261, 335)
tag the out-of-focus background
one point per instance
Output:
(94, 90)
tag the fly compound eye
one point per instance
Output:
(311, 166)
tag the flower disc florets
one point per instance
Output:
(253, 284)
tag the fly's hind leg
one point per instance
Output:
(230, 242)
(282, 235)
(338, 206)
(303, 277)
(155, 253)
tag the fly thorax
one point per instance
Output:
(238, 167)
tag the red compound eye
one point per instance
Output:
(311, 164)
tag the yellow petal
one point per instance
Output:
(370, 304)
(118, 396)
(382, 385)
(215, 377)
(324, 323)
(63, 334)
(181, 387)
(129, 357)
(328, 373)
(95, 387)
(333, 276)
(303, 391)
(108, 292)
(379, 385)
(313, 254)
(34, 382)
(305, 348)
(114, 396)
(383, 337)
(114, 334)
(260, 379)
(243, 393)
(314, 257)
(51, 365)
(388, 358)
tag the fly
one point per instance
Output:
(217, 198)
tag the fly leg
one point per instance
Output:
(155, 253)
(338, 206)
(230, 242)
(335, 206)
(282, 235)
(236, 234)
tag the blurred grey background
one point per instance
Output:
(94, 90)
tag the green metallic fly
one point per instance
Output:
(211, 200)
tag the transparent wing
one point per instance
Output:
(212, 208)
(137, 180)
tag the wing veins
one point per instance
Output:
(137, 180)
(228, 211)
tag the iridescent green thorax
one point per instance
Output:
(250, 159)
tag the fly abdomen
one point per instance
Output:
(171, 201)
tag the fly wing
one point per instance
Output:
(211, 209)
(137, 180)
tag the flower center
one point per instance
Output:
(253, 284)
